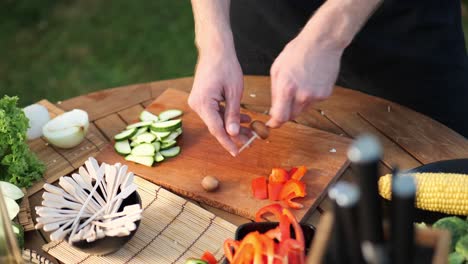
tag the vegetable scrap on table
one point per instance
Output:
(277, 245)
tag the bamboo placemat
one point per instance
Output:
(172, 229)
(24, 216)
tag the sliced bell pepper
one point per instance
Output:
(244, 255)
(298, 173)
(296, 226)
(230, 247)
(293, 251)
(274, 190)
(274, 209)
(274, 233)
(208, 257)
(268, 248)
(278, 175)
(255, 253)
(260, 188)
(293, 187)
(291, 204)
(291, 172)
(283, 230)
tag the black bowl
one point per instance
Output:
(107, 244)
(262, 227)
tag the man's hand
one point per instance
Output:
(218, 76)
(219, 79)
(303, 73)
(307, 68)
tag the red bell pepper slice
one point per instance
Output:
(283, 230)
(293, 251)
(244, 255)
(260, 188)
(274, 190)
(298, 173)
(291, 204)
(296, 226)
(295, 187)
(278, 175)
(274, 233)
(230, 247)
(268, 248)
(254, 242)
(291, 172)
(274, 209)
(208, 257)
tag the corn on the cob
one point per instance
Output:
(439, 192)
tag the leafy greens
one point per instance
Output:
(18, 164)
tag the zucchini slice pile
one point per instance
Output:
(152, 139)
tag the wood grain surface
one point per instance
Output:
(290, 146)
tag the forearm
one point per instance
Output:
(212, 25)
(336, 22)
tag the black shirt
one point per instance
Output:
(410, 51)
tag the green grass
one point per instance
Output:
(58, 49)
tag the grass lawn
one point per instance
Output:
(59, 49)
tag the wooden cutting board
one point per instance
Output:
(324, 154)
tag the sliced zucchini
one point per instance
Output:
(122, 147)
(172, 136)
(168, 144)
(161, 135)
(159, 157)
(140, 131)
(133, 144)
(145, 138)
(157, 146)
(140, 124)
(169, 114)
(126, 134)
(144, 160)
(172, 152)
(165, 126)
(147, 116)
(145, 149)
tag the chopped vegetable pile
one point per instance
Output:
(281, 186)
(152, 139)
(18, 164)
(277, 245)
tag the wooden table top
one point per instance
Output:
(409, 139)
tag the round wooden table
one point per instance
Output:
(409, 139)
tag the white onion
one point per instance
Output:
(10, 190)
(12, 207)
(38, 116)
(68, 129)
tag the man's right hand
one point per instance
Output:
(218, 78)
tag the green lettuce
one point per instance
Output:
(18, 164)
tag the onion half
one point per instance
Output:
(68, 129)
(38, 116)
